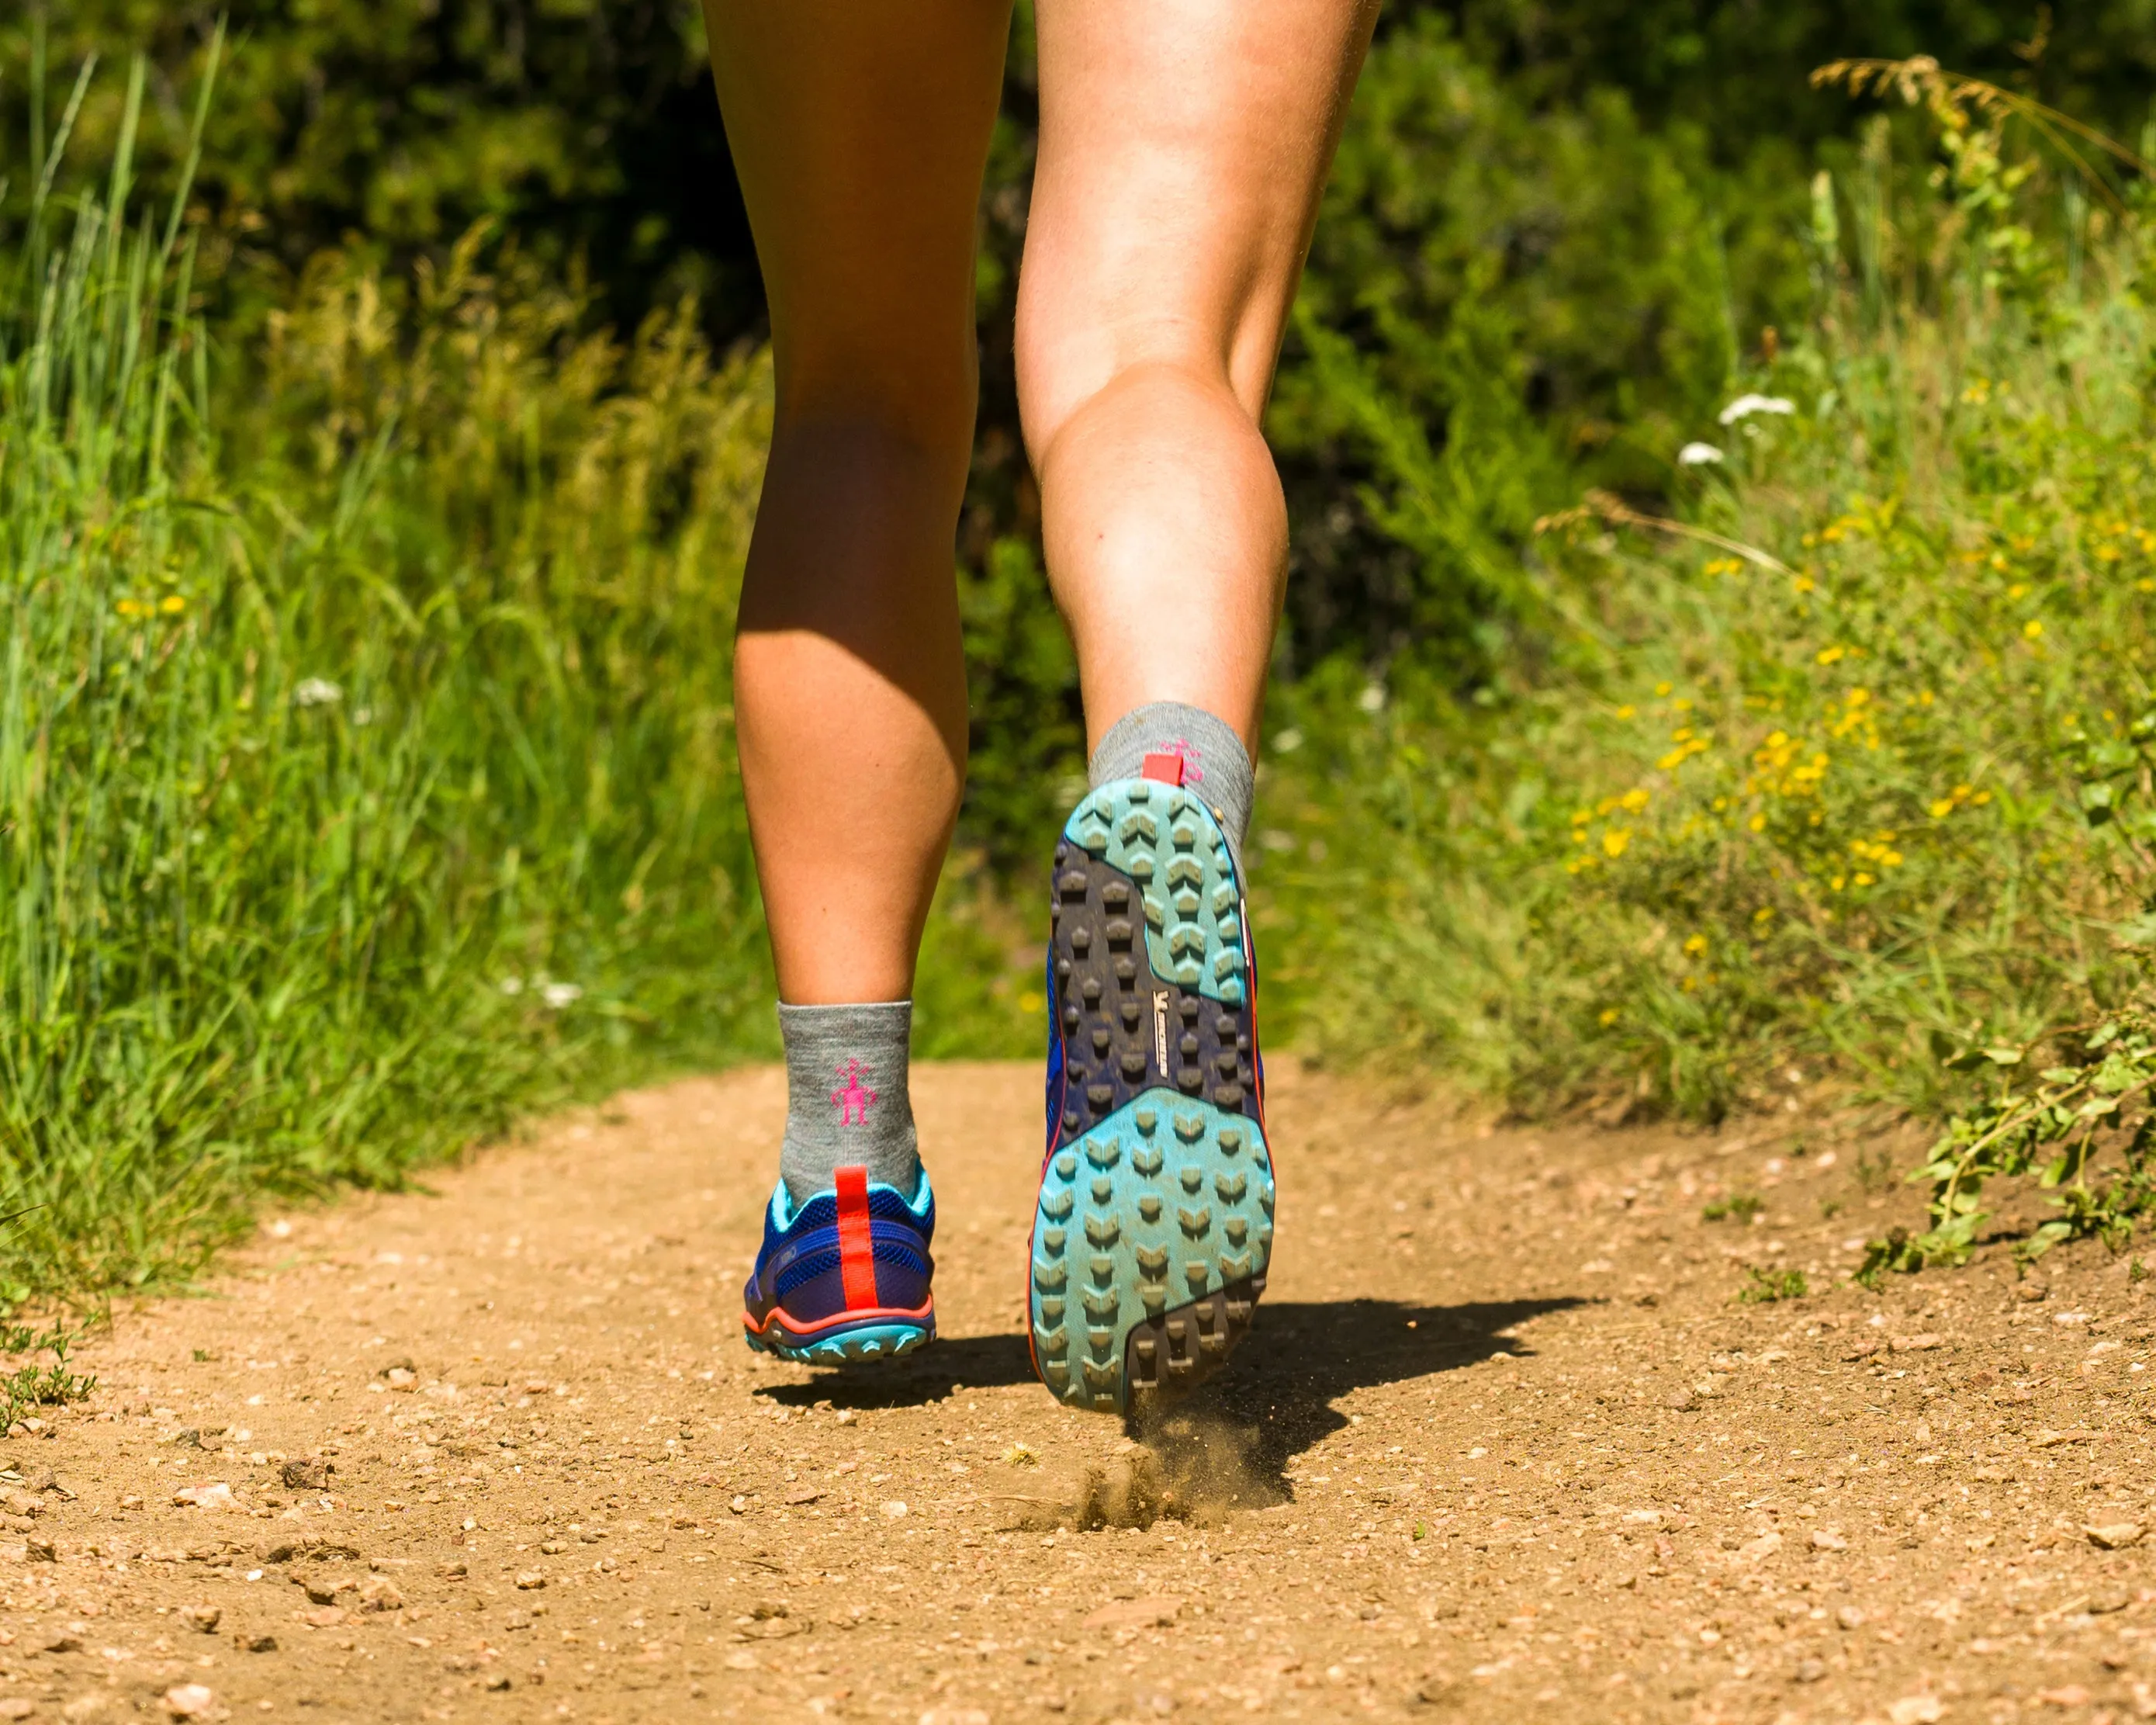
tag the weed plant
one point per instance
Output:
(1766, 1287)
(31, 1387)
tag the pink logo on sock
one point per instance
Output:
(1180, 747)
(853, 1101)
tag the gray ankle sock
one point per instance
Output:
(1213, 763)
(846, 1101)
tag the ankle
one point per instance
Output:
(1215, 765)
(848, 1104)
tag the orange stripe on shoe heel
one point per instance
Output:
(856, 1244)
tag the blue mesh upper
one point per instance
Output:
(809, 1285)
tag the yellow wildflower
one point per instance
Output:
(1615, 840)
(2033, 630)
(172, 604)
(1632, 801)
(1696, 945)
(1832, 656)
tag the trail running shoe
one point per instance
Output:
(846, 1276)
(1154, 1223)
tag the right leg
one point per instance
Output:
(861, 132)
(1183, 145)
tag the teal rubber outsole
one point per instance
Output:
(868, 1344)
(1151, 1239)
(1153, 1232)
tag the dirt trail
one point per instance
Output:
(1501, 1447)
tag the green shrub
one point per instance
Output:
(1787, 788)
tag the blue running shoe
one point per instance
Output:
(1154, 1225)
(846, 1276)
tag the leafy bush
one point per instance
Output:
(396, 123)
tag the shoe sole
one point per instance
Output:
(857, 1344)
(1152, 1231)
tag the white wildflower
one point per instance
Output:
(1288, 741)
(1699, 455)
(512, 985)
(1745, 406)
(317, 691)
(1371, 700)
(558, 995)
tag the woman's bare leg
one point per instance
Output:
(859, 129)
(1183, 144)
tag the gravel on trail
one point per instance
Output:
(1504, 1444)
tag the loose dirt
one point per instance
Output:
(1503, 1446)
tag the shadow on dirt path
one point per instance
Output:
(1287, 1389)
(1307, 1354)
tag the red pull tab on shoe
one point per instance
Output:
(856, 1245)
(1165, 769)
